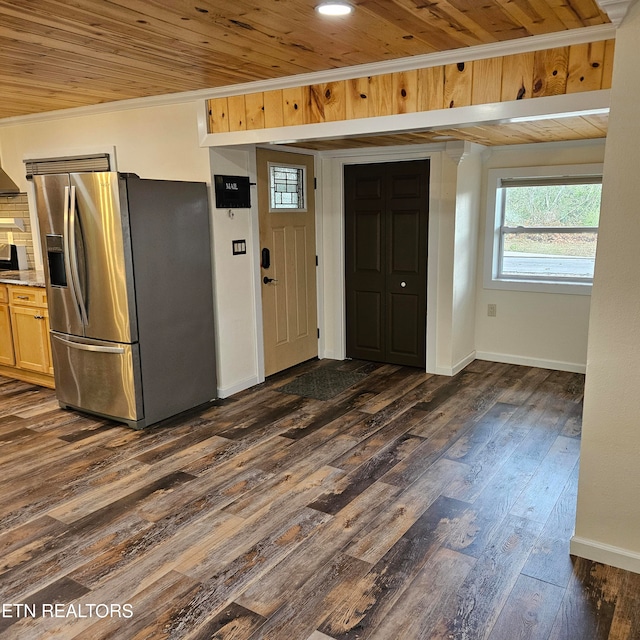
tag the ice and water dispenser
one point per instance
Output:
(55, 258)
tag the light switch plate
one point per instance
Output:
(239, 247)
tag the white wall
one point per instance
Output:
(453, 233)
(155, 142)
(468, 187)
(441, 261)
(537, 329)
(238, 326)
(608, 516)
(331, 317)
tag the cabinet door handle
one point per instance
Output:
(22, 297)
(39, 317)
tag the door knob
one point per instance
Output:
(403, 284)
(267, 280)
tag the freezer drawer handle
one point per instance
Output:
(90, 347)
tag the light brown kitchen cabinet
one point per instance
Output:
(6, 338)
(27, 332)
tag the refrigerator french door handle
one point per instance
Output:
(74, 258)
(67, 249)
(89, 347)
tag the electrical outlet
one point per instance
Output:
(492, 310)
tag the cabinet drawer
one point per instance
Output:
(27, 296)
(4, 294)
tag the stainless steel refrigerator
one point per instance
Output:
(129, 286)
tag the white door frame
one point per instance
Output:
(332, 234)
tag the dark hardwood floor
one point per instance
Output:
(409, 506)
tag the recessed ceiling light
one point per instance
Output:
(334, 8)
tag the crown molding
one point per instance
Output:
(615, 9)
(570, 37)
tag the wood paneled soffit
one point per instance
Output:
(449, 90)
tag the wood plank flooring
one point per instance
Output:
(410, 506)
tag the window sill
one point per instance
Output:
(540, 286)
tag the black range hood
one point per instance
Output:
(7, 186)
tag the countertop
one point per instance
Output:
(29, 278)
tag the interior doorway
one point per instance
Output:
(386, 239)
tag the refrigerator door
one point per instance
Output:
(97, 376)
(53, 203)
(87, 251)
(100, 257)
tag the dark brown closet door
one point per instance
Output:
(386, 220)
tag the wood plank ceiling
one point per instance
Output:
(552, 130)
(59, 54)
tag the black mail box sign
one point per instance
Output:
(232, 192)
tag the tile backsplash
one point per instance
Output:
(17, 207)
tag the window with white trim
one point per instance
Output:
(542, 228)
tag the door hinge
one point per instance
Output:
(318, 333)
(316, 261)
(315, 183)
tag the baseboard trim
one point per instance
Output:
(330, 355)
(556, 365)
(456, 368)
(605, 553)
(225, 392)
(32, 377)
